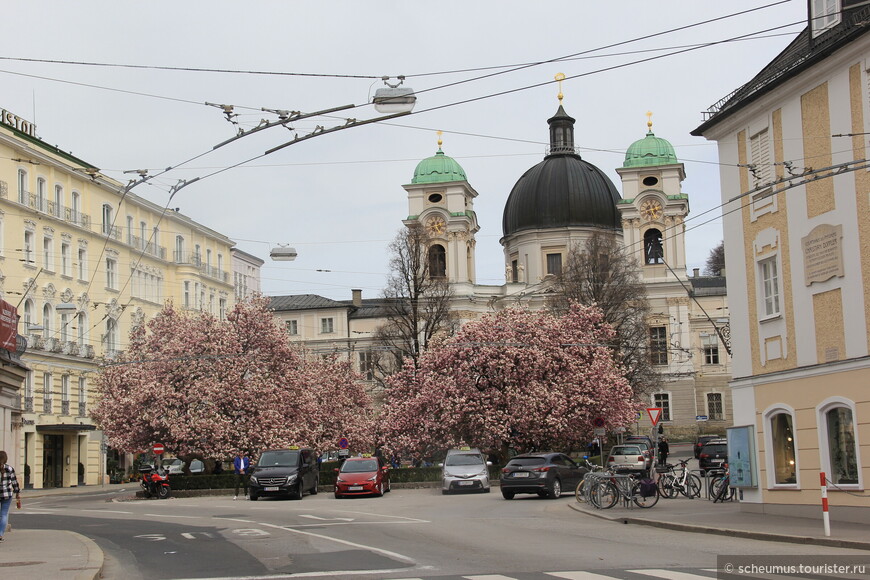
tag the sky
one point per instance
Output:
(124, 85)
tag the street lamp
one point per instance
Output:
(394, 98)
(283, 253)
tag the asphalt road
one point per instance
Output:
(405, 534)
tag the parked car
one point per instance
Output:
(545, 474)
(646, 446)
(362, 476)
(713, 454)
(175, 466)
(465, 469)
(635, 438)
(284, 472)
(627, 457)
(701, 440)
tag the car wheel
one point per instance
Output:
(445, 492)
(253, 497)
(507, 494)
(555, 489)
(389, 488)
(297, 491)
(337, 496)
(316, 485)
(380, 491)
(486, 490)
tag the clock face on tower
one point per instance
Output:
(651, 209)
(436, 225)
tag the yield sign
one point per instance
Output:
(655, 413)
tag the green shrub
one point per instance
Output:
(183, 482)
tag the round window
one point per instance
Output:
(650, 181)
(435, 198)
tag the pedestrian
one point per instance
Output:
(218, 467)
(8, 488)
(242, 469)
(664, 449)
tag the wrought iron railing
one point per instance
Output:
(28, 404)
(46, 405)
(82, 409)
(64, 407)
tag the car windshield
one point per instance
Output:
(625, 450)
(715, 448)
(526, 461)
(463, 459)
(288, 458)
(362, 466)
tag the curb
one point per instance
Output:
(93, 570)
(763, 536)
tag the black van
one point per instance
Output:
(285, 472)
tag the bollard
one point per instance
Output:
(825, 518)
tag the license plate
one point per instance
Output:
(521, 474)
(466, 483)
(271, 489)
(355, 488)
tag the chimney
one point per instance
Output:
(695, 272)
(357, 297)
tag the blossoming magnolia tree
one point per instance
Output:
(514, 379)
(206, 388)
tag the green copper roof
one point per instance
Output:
(650, 150)
(438, 169)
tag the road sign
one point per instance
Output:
(655, 413)
(343, 453)
(598, 432)
(598, 422)
(158, 448)
(700, 417)
(343, 443)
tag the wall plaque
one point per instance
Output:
(823, 253)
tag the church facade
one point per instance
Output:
(555, 206)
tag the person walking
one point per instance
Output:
(664, 449)
(242, 468)
(8, 489)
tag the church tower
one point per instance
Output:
(440, 198)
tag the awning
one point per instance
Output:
(66, 427)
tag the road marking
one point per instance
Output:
(192, 535)
(108, 512)
(325, 519)
(250, 532)
(490, 577)
(172, 516)
(152, 537)
(324, 574)
(233, 519)
(667, 574)
(387, 516)
(579, 576)
(387, 553)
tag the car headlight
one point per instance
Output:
(372, 478)
(254, 480)
(339, 479)
(291, 478)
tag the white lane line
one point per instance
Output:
(108, 512)
(389, 554)
(385, 516)
(324, 524)
(490, 577)
(174, 516)
(324, 574)
(325, 519)
(234, 519)
(668, 574)
(582, 575)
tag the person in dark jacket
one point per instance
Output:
(242, 469)
(664, 449)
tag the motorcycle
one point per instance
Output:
(155, 482)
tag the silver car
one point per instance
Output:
(465, 470)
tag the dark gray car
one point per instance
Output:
(545, 474)
(285, 472)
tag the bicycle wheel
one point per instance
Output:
(723, 490)
(692, 487)
(641, 501)
(666, 486)
(604, 495)
(582, 491)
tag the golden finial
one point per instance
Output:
(560, 77)
(439, 139)
(649, 120)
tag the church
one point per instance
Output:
(555, 206)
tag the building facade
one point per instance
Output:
(557, 205)
(246, 274)
(793, 146)
(85, 259)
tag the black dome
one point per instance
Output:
(562, 190)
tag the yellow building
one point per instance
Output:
(85, 261)
(793, 146)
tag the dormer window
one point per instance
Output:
(824, 14)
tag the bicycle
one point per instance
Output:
(581, 492)
(720, 487)
(671, 483)
(605, 490)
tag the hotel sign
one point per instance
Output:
(12, 120)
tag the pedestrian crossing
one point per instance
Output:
(635, 574)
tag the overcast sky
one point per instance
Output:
(338, 198)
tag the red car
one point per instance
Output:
(362, 476)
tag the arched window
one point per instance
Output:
(781, 445)
(837, 441)
(47, 321)
(437, 261)
(652, 247)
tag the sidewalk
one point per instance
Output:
(703, 516)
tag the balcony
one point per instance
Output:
(149, 248)
(195, 260)
(48, 207)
